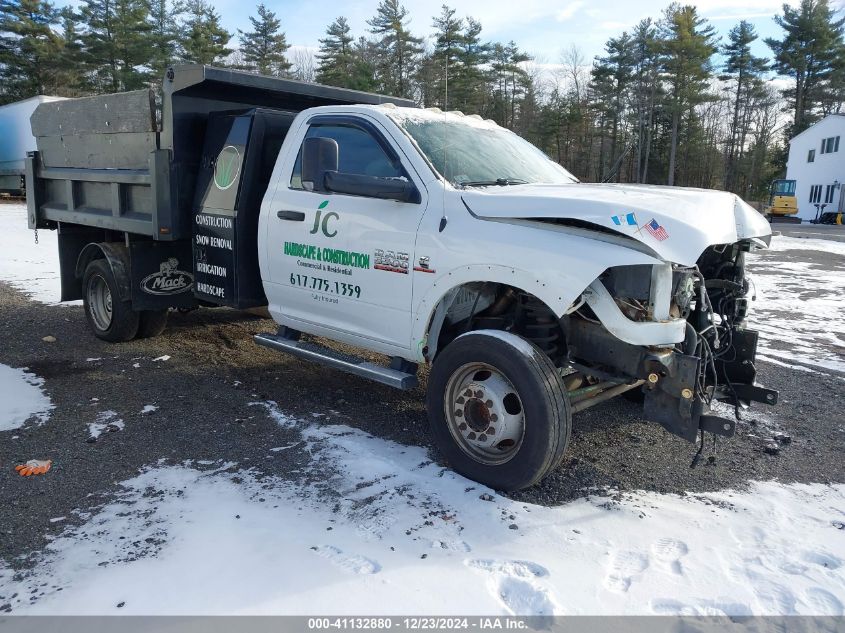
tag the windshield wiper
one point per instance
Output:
(501, 182)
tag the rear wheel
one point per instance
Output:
(110, 318)
(152, 323)
(498, 409)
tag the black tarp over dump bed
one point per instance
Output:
(109, 162)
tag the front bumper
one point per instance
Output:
(674, 394)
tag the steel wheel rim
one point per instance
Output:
(484, 413)
(100, 302)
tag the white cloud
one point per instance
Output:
(569, 11)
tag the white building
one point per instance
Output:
(817, 164)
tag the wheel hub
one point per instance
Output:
(484, 413)
(477, 415)
(100, 302)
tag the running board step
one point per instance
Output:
(344, 362)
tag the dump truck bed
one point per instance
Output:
(111, 162)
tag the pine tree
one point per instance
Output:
(164, 32)
(264, 47)
(116, 43)
(810, 53)
(30, 51)
(340, 61)
(509, 82)
(203, 39)
(745, 70)
(687, 44)
(467, 88)
(611, 78)
(398, 50)
(646, 92)
(444, 61)
(69, 72)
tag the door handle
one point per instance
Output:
(296, 216)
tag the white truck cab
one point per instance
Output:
(409, 232)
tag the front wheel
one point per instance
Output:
(498, 409)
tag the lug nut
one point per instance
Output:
(491, 431)
(686, 393)
(459, 413)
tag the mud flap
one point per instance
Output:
(161, 275)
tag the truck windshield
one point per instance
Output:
(469, 152)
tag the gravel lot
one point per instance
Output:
(204, 390)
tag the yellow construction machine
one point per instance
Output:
(783, 205)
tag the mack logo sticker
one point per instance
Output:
(169, 280)
(227, 167)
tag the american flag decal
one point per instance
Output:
(656, 231)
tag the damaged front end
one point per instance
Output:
(674, 336)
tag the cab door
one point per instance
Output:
(345, 262)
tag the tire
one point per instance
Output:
(522, 384)
(152, 323)
(637, 396)
(108, 317)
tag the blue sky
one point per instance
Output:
(540, 27)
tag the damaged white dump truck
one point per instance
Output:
(428, 237)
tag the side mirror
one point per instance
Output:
(372, 187)
(319, 155)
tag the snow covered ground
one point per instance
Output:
(799, 305)
(21, 398)
(386, 531)
(406, 536)
(29, 267)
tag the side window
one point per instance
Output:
(358, 152)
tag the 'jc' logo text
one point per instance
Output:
(324, 224)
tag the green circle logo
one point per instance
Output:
(227, 167)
